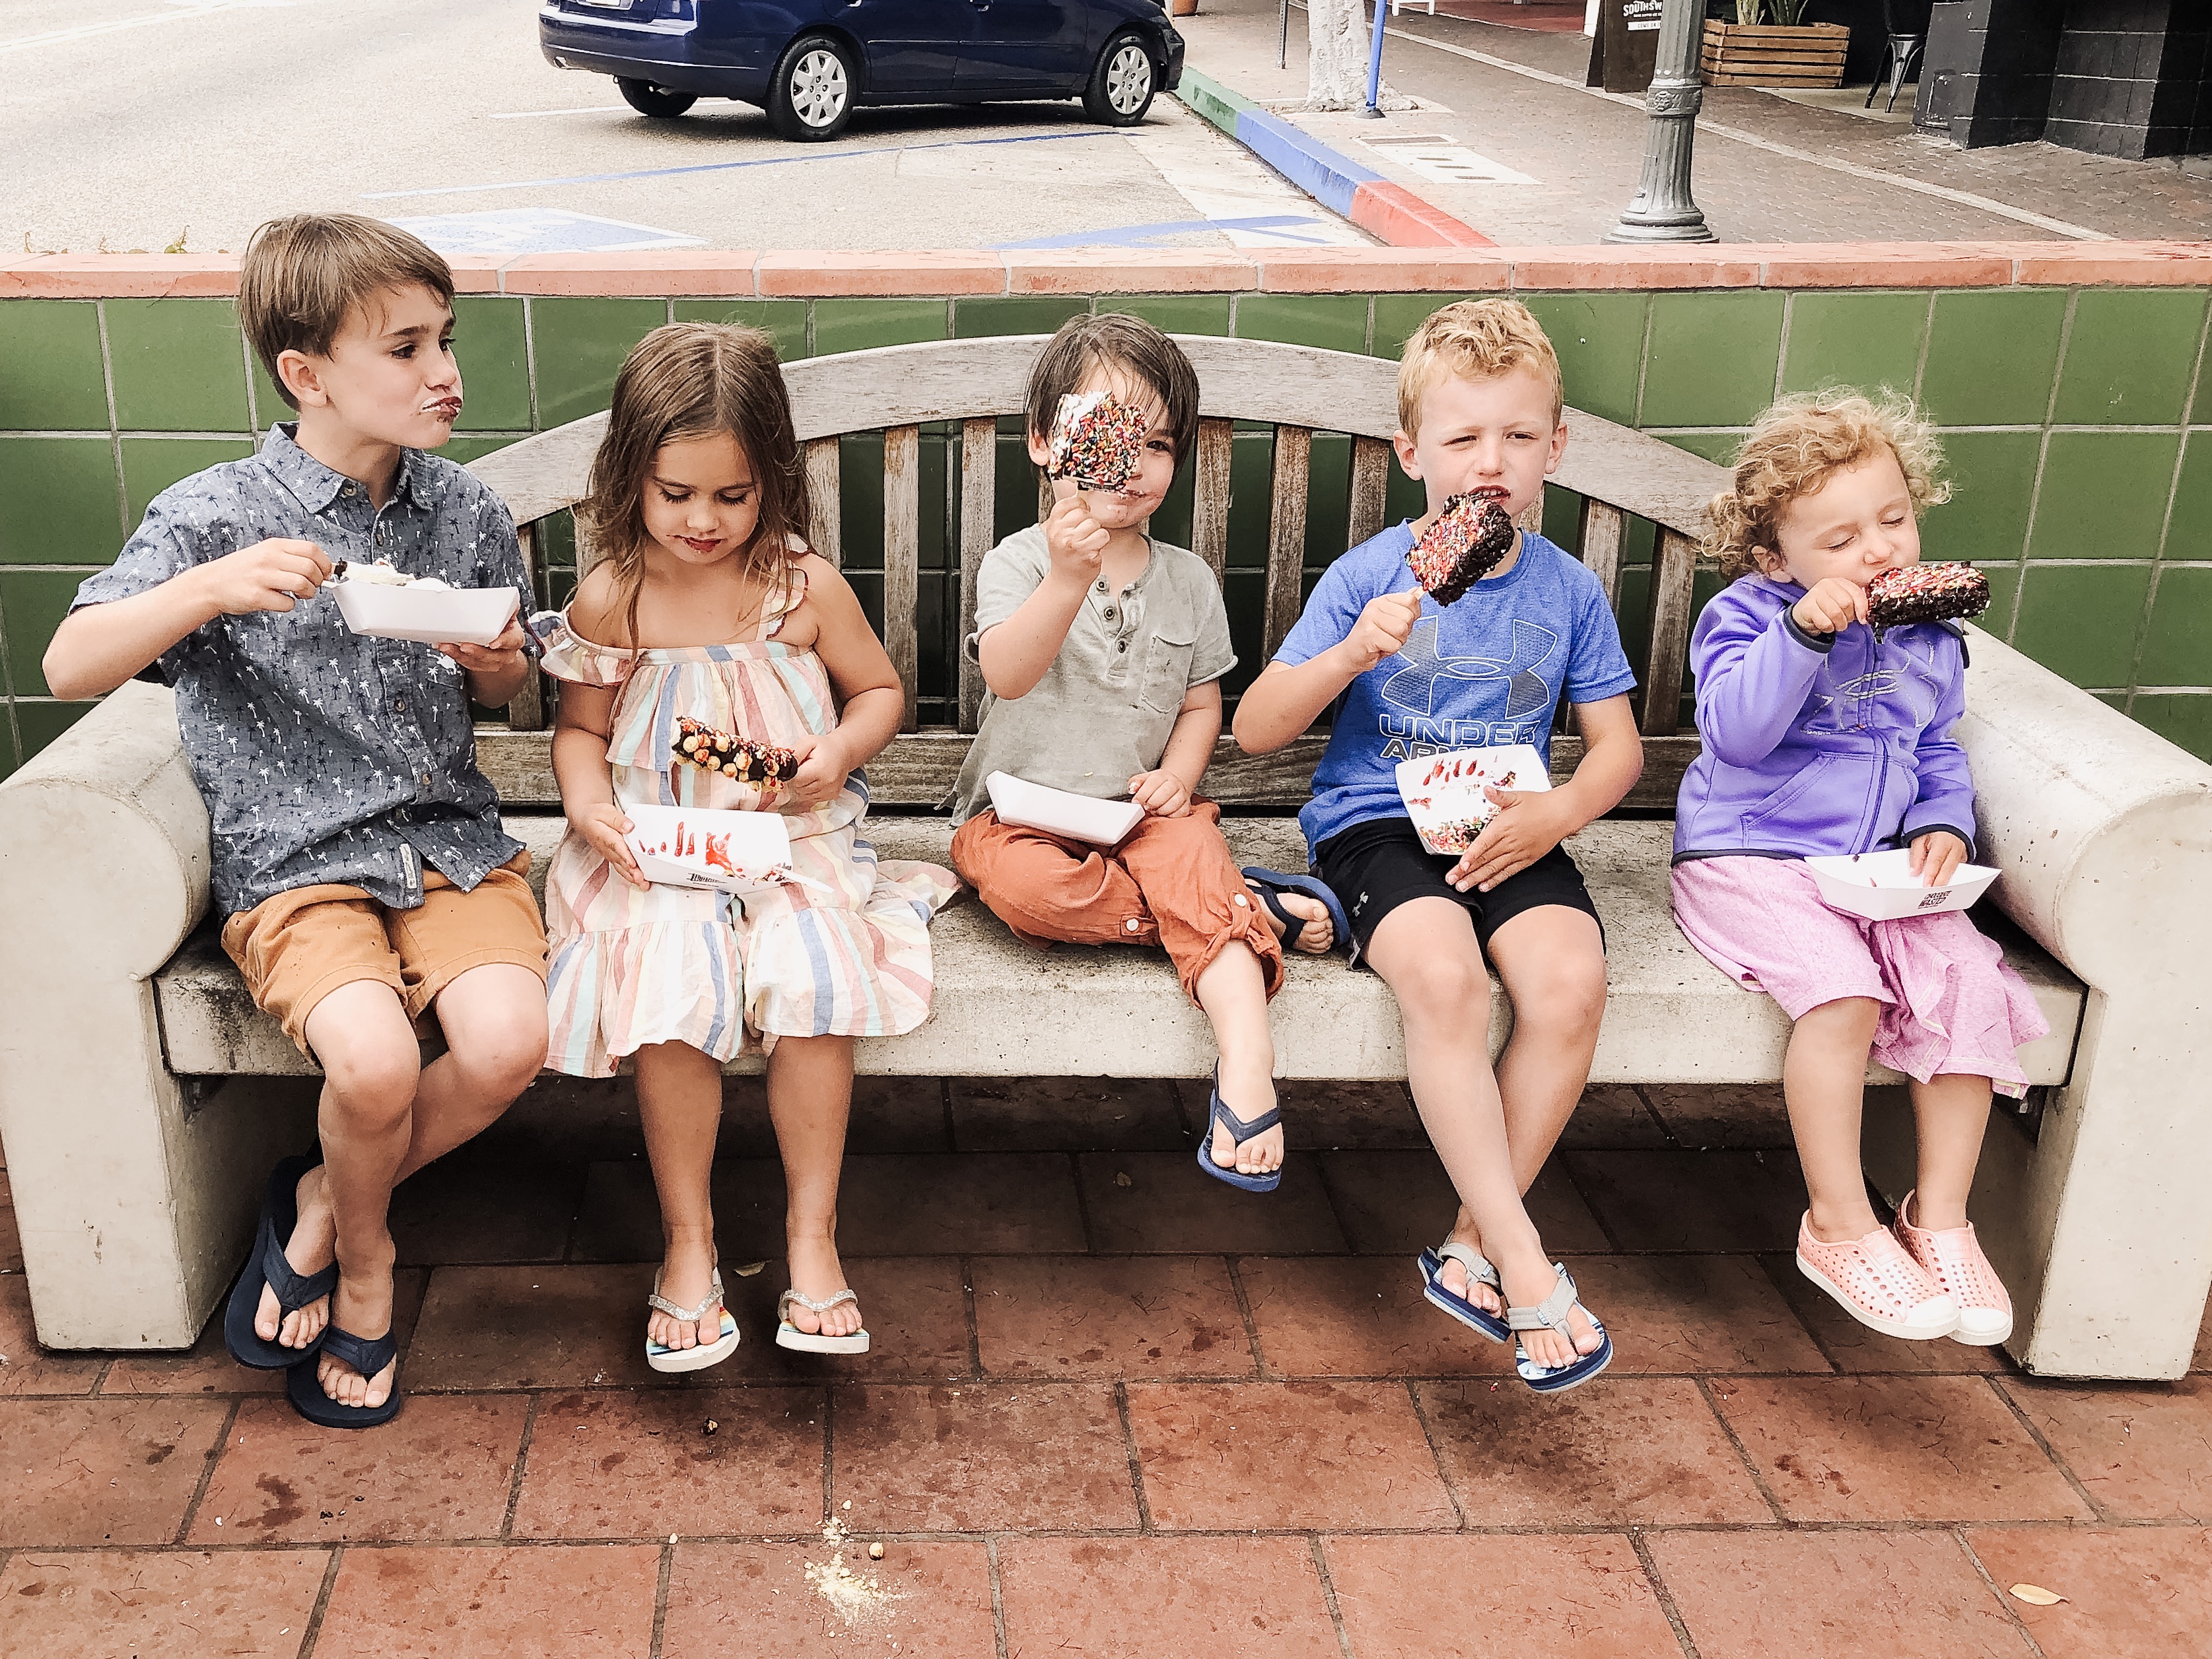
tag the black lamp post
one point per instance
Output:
(1664, 210)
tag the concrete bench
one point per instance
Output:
(143, 1096)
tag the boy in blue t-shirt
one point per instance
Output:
(1479, 404)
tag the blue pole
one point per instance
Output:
(1375, 61)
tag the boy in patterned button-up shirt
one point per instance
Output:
(358, 857)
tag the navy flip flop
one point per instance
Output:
(266, 1266)
(303, 1383)
(1217, 1112)
(1478, 1271)
(1272, 882)
(1551, 1313)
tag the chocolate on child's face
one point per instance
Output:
(1138, 498)
(699, 499)
(1498, 437)
(1858, 524)
(390, 374)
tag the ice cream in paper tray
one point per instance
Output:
(1443, 792)
(698, 847)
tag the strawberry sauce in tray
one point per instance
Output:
(1444, 792)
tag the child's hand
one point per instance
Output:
(823, 766)
(1832, 604)
(1076, 539)
(604, 824)
(1936, 855)
(270, 576)
(1529, 825)
(1161, 794)
(502, 657)
(1383, 629)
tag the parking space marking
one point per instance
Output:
(506, 232)
(1300, 229)
(729, 166)
(180, 11)
(580, 109)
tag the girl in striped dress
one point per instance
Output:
(707, 606)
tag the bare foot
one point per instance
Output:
(312, 1248)
(687, 1279)
(1314, 941)
(363, 1305)
(1248, 1091)
(1528, 1282)
(1452, 1276)
(817, 1274)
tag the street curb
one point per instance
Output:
(1375, 203)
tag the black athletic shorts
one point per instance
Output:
(1380, 864)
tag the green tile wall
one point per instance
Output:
(2078, 426)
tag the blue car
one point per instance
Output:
(811, 63)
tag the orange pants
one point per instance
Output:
(1168, 882)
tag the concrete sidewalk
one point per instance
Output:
(1508, 141)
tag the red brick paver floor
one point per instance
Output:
(1113, 1409)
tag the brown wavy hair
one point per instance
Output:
(693, 380)
(1797, 445)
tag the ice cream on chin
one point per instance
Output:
(1469, 538)
(1926, 592)
(1096, 441)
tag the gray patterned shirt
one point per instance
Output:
(323, 756)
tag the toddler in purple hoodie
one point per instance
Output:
(1823, 737)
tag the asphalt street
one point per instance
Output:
(148, 124)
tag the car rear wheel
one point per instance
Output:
(810, 95)
(647, 99)
(1120, 89)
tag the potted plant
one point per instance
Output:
(1787, 53)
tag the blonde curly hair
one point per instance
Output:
(1797, 445)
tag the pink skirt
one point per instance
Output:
(1950, 1006)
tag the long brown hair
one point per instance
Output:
(693, 380)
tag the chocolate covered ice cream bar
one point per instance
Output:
(1468, 541)
(701, 745)
(1926, 592)
(1096, 440)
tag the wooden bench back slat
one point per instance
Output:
(902, 557)
(979, 475)
(1209, 510)
(1672, 580)
(526, 713)
(1371, 483)
(824, 508)
(1600, 539)
(1286, 535)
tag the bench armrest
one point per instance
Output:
(106, 847)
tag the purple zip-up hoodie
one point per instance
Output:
(1821, 742)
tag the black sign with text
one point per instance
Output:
(1627, 49)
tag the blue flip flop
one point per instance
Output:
(1551, 1313)
(368, 1356)
(1478, 1271)
(266, 1266)
(1217, 1112)
(1270, 884)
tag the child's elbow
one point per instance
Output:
(67, 677)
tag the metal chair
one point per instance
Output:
(1908, 24)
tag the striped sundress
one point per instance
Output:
(849, 957)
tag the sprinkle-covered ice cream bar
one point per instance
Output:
(1465, 544)
(701, 745)
(1097, 439)
(1926, 592)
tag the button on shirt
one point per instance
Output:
(324, 756)
(1105, 709)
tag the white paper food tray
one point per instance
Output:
(1059, 812)
(695, 846)
(1881, 887)
(434, 616)
(1443, 792)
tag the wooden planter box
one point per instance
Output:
(1764, 54)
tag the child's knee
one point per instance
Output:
(501, 1048)
(1447, 985)
(372, 1085)
(1569, 994)
(1847, 1019)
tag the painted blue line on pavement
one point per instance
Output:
(1283, 224)
(726, 167)
(1330, 177)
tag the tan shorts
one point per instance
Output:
(298, 947)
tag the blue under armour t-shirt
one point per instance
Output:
(1484, 670)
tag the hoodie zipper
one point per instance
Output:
(1880, 751)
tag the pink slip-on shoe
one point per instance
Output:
(1953, 1259)
(1878, 1283)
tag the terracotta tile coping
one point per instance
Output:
(692, 271)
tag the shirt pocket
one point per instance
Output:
(1166, 680)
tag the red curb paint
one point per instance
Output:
(1404, 220)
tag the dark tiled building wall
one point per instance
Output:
(2078, 425)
